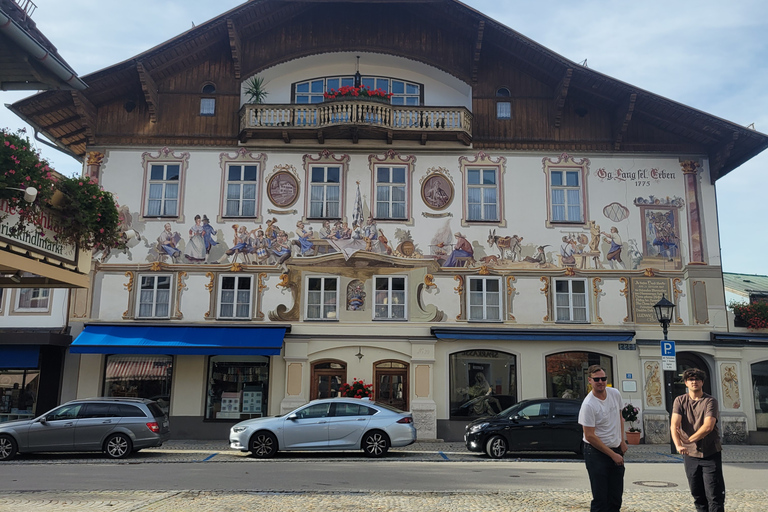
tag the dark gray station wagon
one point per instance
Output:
(116, 426)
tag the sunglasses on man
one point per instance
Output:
(598, 379)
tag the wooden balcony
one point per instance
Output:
(355, 120)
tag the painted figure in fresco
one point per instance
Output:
(240, 244)
(369, 229)
(567, 251)
(539, 258)
(208, 235)
(594, 232)
(195, 252)
(281, 250)
(462, 249)
(167, 242)
(506, 243)
(661, 225)
(304, 243)
(259, 246)
(326, 231)
(356, 296)
(272, 229)
(614, 252)
(345, 233)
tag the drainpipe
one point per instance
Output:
(15, 33)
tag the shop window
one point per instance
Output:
(235, 293)
(760, 393)
(571, 303)
(390, 298)
(237, 387)
(164, 184)
(327, 377)
(482, 383)
(566, 373)
(140, 376)
(154, 296)
(32, 300)
(322, 298)
(485, 299)
(503, 106)
(566, 189)
(18, 393)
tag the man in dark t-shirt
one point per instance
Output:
(694, 430)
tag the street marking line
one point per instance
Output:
(444, 456)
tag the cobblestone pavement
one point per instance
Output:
(201, 501)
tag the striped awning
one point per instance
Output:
(138, 368)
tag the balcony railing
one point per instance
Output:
(439, 123)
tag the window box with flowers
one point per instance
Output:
(358, 389)
(86, 215)
(629, 413)
(362, 92)
(753, 315)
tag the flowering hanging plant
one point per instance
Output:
(363, 91)
(629, 413)
(358, 389)
(87, 215)
(754, 315)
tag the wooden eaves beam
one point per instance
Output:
(87, 112)
(561, 92)
(149, 87)
(234, 46)
(719, 156)
(623, 117)
(478, 50)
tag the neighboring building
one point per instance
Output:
(745, 287)
(506, 220)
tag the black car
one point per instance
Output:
(543, 424)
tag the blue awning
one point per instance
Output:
(465, 333)
(231, 341)
(19, 356)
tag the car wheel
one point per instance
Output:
(375, 444)
(8, 448)
(118, 446)
(496, 447)
(263, 445)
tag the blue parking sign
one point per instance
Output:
(668, 348)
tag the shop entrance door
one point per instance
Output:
(392, 383)
(327, 378)
(687, 360)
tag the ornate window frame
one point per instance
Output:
(483, 161)
(242, 157)
(165, 156)
(325, 159)
(306, 298)
(393, 159)
(387, 300)
(571, 293)
(253, 291)
(565, 163)
(485, 292)
(134, 281)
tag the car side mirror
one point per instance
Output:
(43, 421)
(293, 417)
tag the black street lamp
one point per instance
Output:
(664, 310)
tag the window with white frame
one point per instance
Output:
(565, 195)
(163, 197)
(325, 192)
(571, 300)
(482, 194)
(403, 92)
(32, 299)
(235, 296)
(391, 192)
(154, 296)
(322, 298)
(389, 298)
(242, 188)
(484, 299)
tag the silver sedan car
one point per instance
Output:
(327, 424)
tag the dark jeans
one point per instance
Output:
(705, 478)
(606, 479)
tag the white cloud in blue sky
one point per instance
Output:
(710, 55)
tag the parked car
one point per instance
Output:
(544, 424)
(327, 424)
(116, 426)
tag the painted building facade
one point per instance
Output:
(503, 219)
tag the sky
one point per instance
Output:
(711, 55)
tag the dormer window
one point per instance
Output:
(503, 106)
(208, 105)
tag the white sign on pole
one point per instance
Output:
(668, 360)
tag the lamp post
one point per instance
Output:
(664, 310)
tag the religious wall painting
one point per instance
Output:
(729, 382)
(356, 295)
(437, 188)
(661, 245)
(283, 186)
(652, 384)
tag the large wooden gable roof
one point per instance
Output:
(443, 33)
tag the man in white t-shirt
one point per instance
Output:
(604, 446)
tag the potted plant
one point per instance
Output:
(254, 88)
(363, 92)
(358, 389)
(629, 413)
(753, 315)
